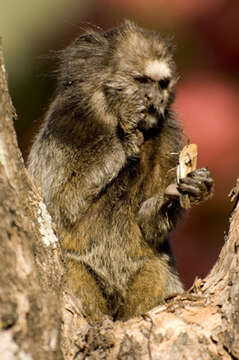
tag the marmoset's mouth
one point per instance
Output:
(152, 110)
(157, 114)
(152, 122)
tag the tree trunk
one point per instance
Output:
(41, 319)
(30, 265)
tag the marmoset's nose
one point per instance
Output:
(149, 95)
(153, 95)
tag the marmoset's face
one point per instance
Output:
(155, 85)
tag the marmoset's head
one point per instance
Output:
(124, 67)
(143, 69)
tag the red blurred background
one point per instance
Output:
(206, 35)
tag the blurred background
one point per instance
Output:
(206, 34)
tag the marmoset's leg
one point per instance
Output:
(155, 282)
(86, 288)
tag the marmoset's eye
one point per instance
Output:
(163, 83)
(142, 79)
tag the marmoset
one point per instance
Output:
(103, 159)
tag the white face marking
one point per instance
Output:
(157, 70)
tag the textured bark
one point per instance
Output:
(41, 319)
(30, 266)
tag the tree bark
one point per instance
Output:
(30, 263)
(41, 319)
